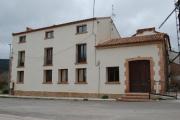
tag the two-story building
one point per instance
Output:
(88, 58)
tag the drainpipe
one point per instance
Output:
(99, 78)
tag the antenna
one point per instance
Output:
(94, 4)
(113, 14)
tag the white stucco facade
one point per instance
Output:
(64, 57)
(107, 58)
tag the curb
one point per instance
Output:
(56, 98)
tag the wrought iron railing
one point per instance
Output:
(157, 86)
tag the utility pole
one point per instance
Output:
(113, 14)
(10, 63)
(94, 3)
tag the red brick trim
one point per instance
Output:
(162, 68)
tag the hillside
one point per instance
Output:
(4, 65)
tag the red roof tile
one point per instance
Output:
(132, 40)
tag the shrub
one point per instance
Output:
(105, 97)
(5, 91)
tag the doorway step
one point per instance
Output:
(135, 97)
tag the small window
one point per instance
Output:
(112, 74)
(20, 77)
(81, 29)
(81, 53)
(49, 35)
(81, 75)
(22, 39)
(48, 76)
(63, 76)
(21, 58)
(48, 56)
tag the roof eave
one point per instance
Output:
(127, 44)
(60, 25)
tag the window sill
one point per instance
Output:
(48, 38)
(46, 83)
(20, 83)
(79, 63)
(20, 66)
(81, 83)
(111, 83)
(63, 83)
(81, 33)
(50, 65)
(21, 42)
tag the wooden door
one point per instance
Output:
(139, 76)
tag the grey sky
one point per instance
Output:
(16, 15)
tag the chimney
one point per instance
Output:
(146, 31)
(140, 31)
(28, 29)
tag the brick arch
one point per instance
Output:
(152, 72)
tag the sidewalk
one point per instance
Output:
(13, 117)
(178, 96)
(56, 98)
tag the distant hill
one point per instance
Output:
(4, 65)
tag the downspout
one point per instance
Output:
(99, 78)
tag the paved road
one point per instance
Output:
(13, 117)
(29, 109)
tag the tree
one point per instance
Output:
(3, 80)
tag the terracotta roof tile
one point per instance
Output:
(132, 40)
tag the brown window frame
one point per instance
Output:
(84, 72)
(20, 77)
(48, 56)
(61, 80)
(49, 34)
(22, 39)
(80, 29)
(46, 79)
(21, 58)
(81, 53)
(113, 75)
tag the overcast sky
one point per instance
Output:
(16, 15)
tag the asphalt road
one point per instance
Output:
(31, 109)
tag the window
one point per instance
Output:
(81, 29)
(48, 76)
(20, 77)
(49, 35)
(81, 75)
(81, 53)
(21, 59)
(63, 76)
(48, 56)
(112, 74)
(22, 39)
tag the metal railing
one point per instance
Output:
(171, 90)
